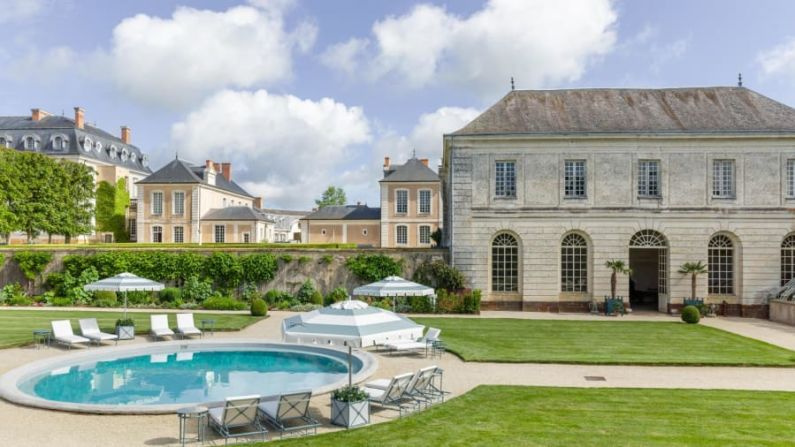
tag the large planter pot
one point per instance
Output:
(350, 414)
(614, 306)
(125, 332)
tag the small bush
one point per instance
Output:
(20, 300)
(420, 304)
(304, 260)
(439, 275)
(250, 293)
(305, 307)
(317, 298)
(306, 292)
(60, 301)
(463, 302)
(140, 298)
(335, 296)
(326, 259)
(105, 299)
(349, 394)
(169, 295)
(286, 258)
(125, 322)
(382, 304)
(12, 292)
(259, 308)
(690, 315)
(284, 305)
(273, 296)
(196, 290)
(220, 302)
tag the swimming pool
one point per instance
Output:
(159, 378)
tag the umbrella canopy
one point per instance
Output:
(393, 286)
(124, 282)
(349, 323)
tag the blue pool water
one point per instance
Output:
(187, 377)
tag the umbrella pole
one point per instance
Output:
(350, 370)
(125, 305)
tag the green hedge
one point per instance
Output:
(183, 247)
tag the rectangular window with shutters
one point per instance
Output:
(505, 179)
(649, 178)
(157, 203)
(179, 203)
(401, 201)
(401, 235)
(220, 234)
(723, 179)
(179, 235)
(574, 179)
(424, 202)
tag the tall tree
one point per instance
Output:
(36, 202)
(9, 189)
(112, 204)
(77, 194)
(333, 195)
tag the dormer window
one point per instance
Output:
(30, 142)
(98, 147)
(60, 143)
(145, 160)
(6, 141)
(124, 154)
(112, 150)
(87, 144)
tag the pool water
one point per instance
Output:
(187, 377)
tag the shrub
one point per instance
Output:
(11, 292)
(420, 304)
(258, 268)
(304, 260)
(250, 293)
(60, 301)
(286, 258)
(382, 304)
(325, 259)
(125, 322)
(284, 305)
(317, 298)
(690, 315)
(439, 275)
(335, 296)
(224, 268)
(351, 393)
(169, 295)
(105, 299)
(273, 296)
(471, 303)
(19, 300)
(374, 267)
(306, 292)
(196, 290)
(437, 237)
(259, 308)
(462, 302)
(32, 263)
(305, 307)
(220, 302)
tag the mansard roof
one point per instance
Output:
(179, 171)
(89, 142)
(413, 170)
(635, 111)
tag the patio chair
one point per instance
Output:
(394, 396)
(421, 387)
(289, 413)
(90, 329)
(62, 333)
(238, 413)
(186, 326)
(159, 326)
(422, 344)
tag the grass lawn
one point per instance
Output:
(16, 326)
(531, 416)
(602, 342)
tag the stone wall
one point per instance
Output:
(782, 312)
(289, 276)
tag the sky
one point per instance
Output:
(302, 94)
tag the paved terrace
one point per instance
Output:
(23, 426)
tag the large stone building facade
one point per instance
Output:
(546, 186)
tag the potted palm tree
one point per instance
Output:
(614, 303)
(693, 269)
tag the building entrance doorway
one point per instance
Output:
(648, 259)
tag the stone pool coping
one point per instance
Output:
(10, 391)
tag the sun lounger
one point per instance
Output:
(90, 329)
(289, 413)
(62, 333)
(421, 388)
(238, 413)
(394, 396)
(186, 326)
(159, 326)
(421, 345)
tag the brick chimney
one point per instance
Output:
(226, 171)
(126, 134)
(38, 114)
(258, 202)
(80, 118)
(386, 163)
(424, 161)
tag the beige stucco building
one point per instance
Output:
(183, 203)
(348, 224)
(546, 186)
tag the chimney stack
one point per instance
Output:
(80, 118)
(226, 171)
(424, 161)
(38, 114)
(126, 134)
(258, 202)
(386, 163)
(209, 164)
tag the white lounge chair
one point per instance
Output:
(237, 413)
(159, 326)
(62, 333)
(421, 345)
(289, 413)
(394, 396)
(90, 329)
(421, 387)
(186, 327)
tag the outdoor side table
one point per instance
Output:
(208, 326)
(42, 337)
(188, 414)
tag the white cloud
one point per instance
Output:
(538, 42)
(779, 60)
(345, 56)
(177, 61)
(15, 10)
(44, 66)
(284, 148)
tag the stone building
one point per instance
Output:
(346, 224)
(183, 203)
(544, 187)
(287, 223)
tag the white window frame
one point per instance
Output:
(419, 201)
(405, 233)
(649, 178)
(575, 175)
(246, 237)
(157, 227)
(133, 227)
(222, 233)
(723, 168)
(574, 264)
(505, 179)
(397, 201)
(419, 235)
(152, 208)
(174, 203)
(791, 178)
(174, 234)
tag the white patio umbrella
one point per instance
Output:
(394, 286)
(349, 323)
(124, 282)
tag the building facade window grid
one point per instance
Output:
(574, 264)
(401, 235)
(179, 203)
(425, 234)
(424, 201)
(788, 259)
(720, 266)
(401, 201)
(723, 178)
(791, 178)
(574, 179)
(157, 203)
(649, 178)
(133, 228)
(179, 235)
(505, 179)
(504, 264)
(220, 233)
(157, 234)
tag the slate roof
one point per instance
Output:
(110, 149)
(179, 171)
(235, 213)
(412, 171)
(345, 212)
(671, 110)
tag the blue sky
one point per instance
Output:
(300, 94)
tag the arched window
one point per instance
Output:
(30, 142)
(504, 263)
(574, 264)
(720, 265)
(6, 141)
(87, 144)
(60, 143)
(787, 259)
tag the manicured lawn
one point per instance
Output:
(16, 326)
(531, 416)
(602, 342)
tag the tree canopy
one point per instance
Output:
(333, 195)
